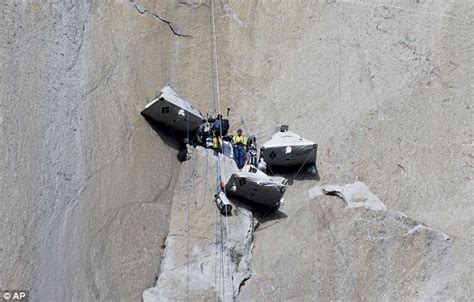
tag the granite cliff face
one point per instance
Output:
(88, 188)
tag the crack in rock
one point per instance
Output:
(143, 10)
(175, 31)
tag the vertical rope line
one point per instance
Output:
(217, 283)
(217, 105)
(216, 99)
(187, 210)
(302, 165)
(217, 109)
(222, 266)
(199, 207)
(227, 233)
(226, 228)
(188, 230)
(217, 290)
(222, 259)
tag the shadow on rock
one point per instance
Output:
(170, 138)
(294, 173)
(269, 218)
(274, 214)
(261, 214)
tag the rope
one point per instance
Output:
(263, 133)
(222, 260)
(215, 78)
(217, 109)
(188, 212)
(265, 214)
(226, 219)
(304, 163)
(225, 231)
(188, 231)
(205, 185)
(216, 259)
(217, 284)
(270, 168)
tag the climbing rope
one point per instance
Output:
(206, 169)
(304, 163)
(259, 219)
(215, 69)
(217, 109)
(217, 290)
(188, 213)
(269, 131)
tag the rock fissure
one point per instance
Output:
(143, 11)
(177, 32)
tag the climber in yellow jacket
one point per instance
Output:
(240, 139)
(240, 146)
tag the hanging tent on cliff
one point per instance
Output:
(286, 149)
(173, 111)
(255, 186)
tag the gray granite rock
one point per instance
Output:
(86, 183)
(324, 248)
(207, 255)
(384, 87)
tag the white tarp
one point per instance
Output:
(288, 149)
(173, 111)
(256, 186)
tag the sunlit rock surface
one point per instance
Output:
(331, 249)
(384, 87)
(207, 255)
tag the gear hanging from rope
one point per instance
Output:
(217, 109)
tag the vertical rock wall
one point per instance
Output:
(384, 87)
(207, 255)
(86, 182)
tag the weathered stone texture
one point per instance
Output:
(384, 87)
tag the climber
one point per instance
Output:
(252, 151)
(227, 148)
(215, 131)
(203, 135)
(186, 152)
(219, 128)
(240, 146)
(219, 125)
